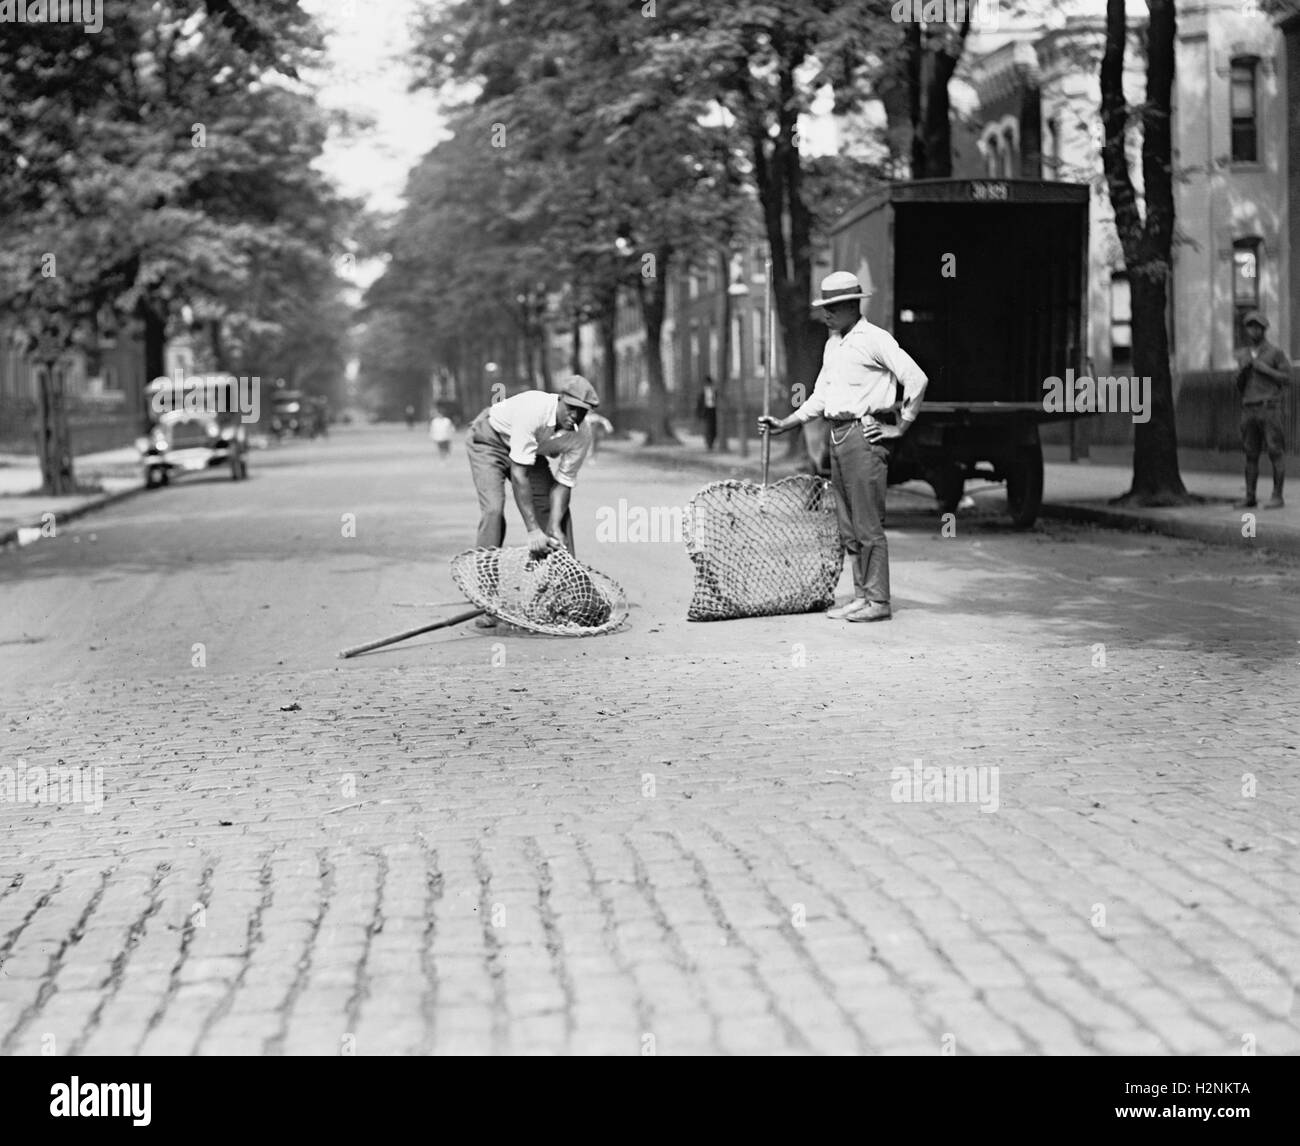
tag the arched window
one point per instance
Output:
(1010, 153)
(1245, 123)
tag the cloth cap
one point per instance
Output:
(577, 391)
(1255, 316)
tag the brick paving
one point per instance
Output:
(687, 847)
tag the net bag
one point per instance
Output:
(762, 550)
(555, 594)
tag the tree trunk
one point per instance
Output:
(1147, 239)
(779, 177)
(57, 477)
(652, 294)
(605, 325)
(575, 343)
(544, 353)
(722, 392)
(1156, 478)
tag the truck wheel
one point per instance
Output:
(949, 483)
(1025, 485)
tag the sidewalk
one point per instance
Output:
(1072, 491)
(108, 476)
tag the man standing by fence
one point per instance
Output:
(1263, 378)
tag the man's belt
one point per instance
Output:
(886, 416)
(1264, 402)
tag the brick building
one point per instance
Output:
(1236, 139)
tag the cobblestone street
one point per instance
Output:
(716, 838)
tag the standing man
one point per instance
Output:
(707, 409)
(511, 441)
(1263, 377)
(861, 365)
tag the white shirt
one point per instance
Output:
(858, 372)
(441, 429)
(528, 423)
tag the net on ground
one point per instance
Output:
(555, 594)
(762, 550)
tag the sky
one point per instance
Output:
(366, 39)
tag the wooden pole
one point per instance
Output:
(456, 620)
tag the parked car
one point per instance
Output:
(290, 414)
(194, 429)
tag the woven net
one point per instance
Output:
(555, 594)
(763, 550)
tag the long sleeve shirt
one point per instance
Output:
(528, 423)
(859, 369)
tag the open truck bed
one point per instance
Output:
(982, 281)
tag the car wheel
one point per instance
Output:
(949, 483)
(1025, 485)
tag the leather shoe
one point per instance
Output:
(1248, 503)
(871, 611)
(1275, 502)
(839, 612)
(487, 621)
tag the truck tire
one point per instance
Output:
(948, 483)
(1025, 485)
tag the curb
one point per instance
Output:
(1208, 531)
(9, 535)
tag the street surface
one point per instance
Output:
(679, 838)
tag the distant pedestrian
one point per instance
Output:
(601, 428)
(707, 410)
(861, 366)
(410, 417)
(441, 429)
(1263, 378)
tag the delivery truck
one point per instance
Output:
(983, 282)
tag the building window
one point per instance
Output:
(1051, 149)
(1121, 321)
(1244, 119)
(111, 380)
(1245, 285)
(1008, 155)
(993, 158)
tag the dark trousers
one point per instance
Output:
(710, 418)
(489, 465)
(1261, 429)
(859, 473)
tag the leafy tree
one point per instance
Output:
(159, 164)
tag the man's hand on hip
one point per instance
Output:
(878, 431)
